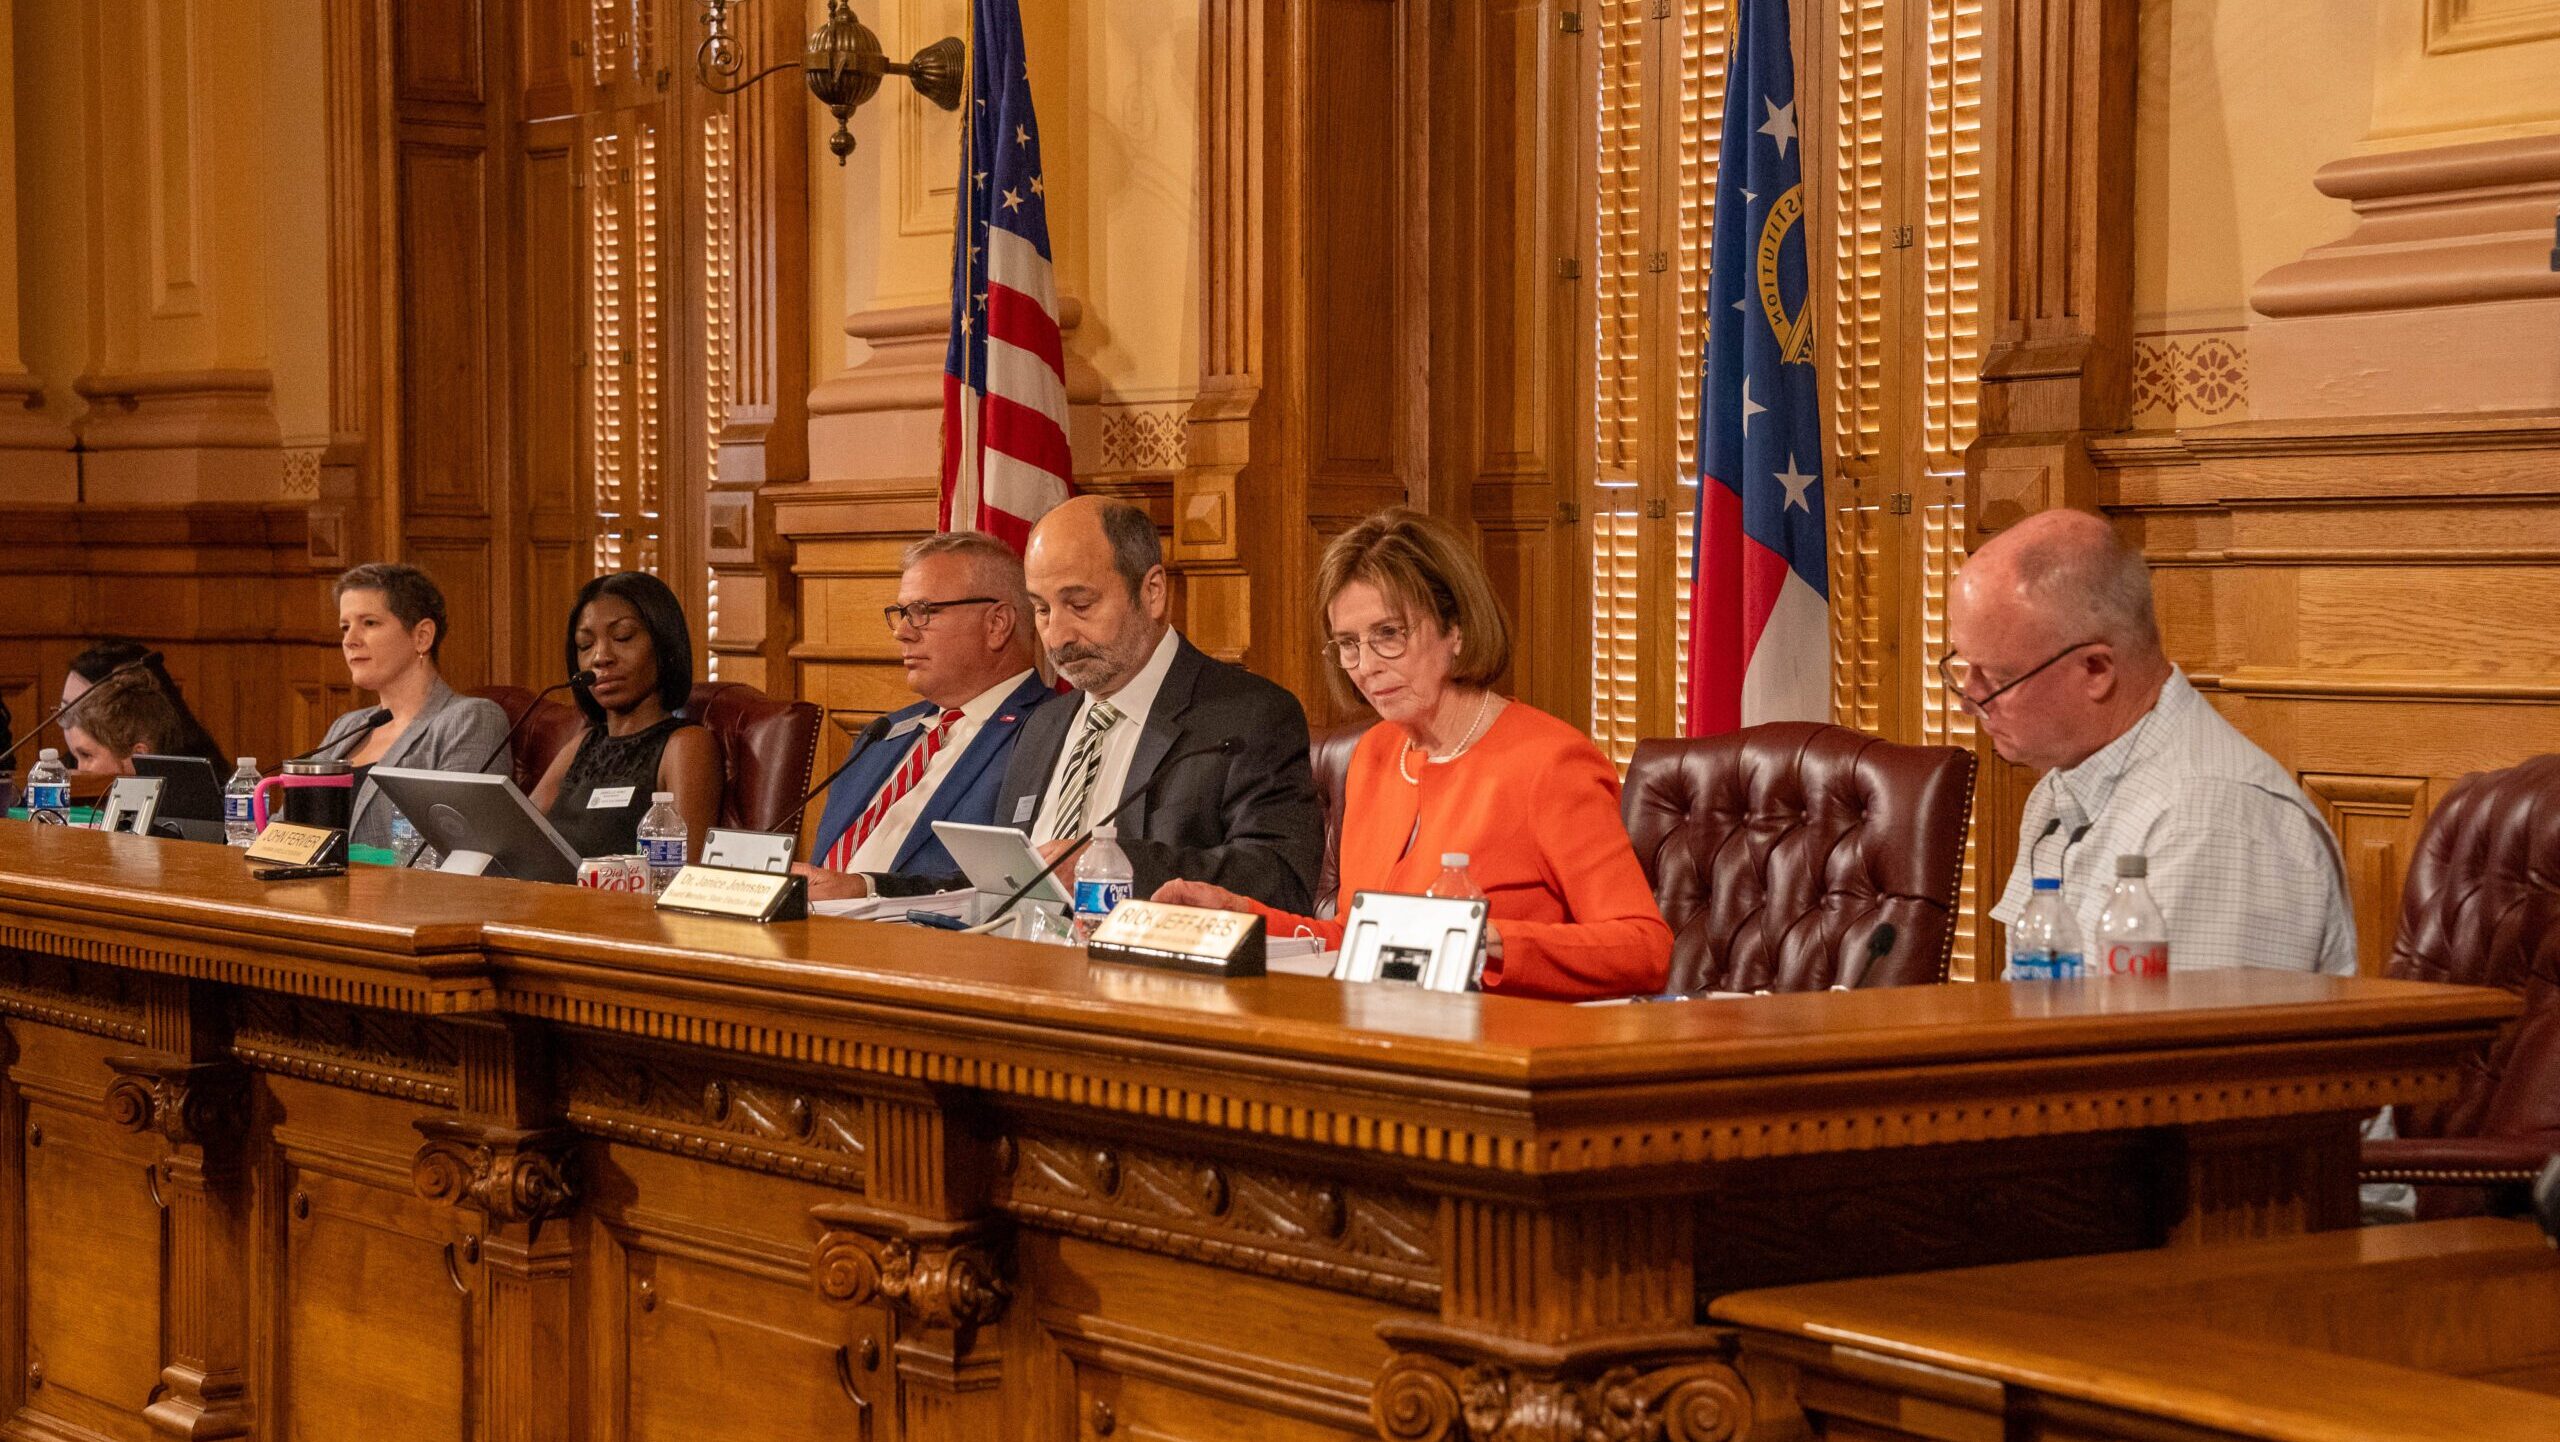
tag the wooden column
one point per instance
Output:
(1315, 340)
(924, 1248)
(2057, 291)
(502, 1161)
(187, 1088)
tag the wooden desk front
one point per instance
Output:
(2435, 1333)
(399, 1156)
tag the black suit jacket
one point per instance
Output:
(1247, 819)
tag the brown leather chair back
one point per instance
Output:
(1329, 751)
(767, 747)
(2481, 907)
(1777, 851)
(543, 738)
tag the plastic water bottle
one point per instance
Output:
(48, 788)
(662, 839)
(2045, 944)
(1454, 882)
(239, 811)
(408, 846)
(2133, 939)
(1103, 879)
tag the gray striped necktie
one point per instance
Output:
(1084, 765)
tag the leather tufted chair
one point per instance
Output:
(767, 747)
(2482, 908)
(543, 738)
(1330, 751)
(1776, 851)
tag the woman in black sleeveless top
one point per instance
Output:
(629, 630)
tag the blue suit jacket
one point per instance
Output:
(967, 792)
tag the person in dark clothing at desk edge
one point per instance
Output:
(629, 629)
(1225, 751)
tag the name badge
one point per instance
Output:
(606, 798)
(1023, 809)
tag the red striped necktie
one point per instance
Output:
(909, 772)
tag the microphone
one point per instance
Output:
(1112, 818)
(869, 736)
(380, 718)
(1878, 944)
(144, 661)
(580, 678)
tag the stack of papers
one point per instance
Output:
(895, 908)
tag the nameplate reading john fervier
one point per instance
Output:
(746, 895)
(1186, 938)
(284, 844)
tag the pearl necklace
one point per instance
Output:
(1483, 708)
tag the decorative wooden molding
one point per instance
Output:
(507, 1174)
(2455, 225)
(96, 1000)
(1372, 1241)
(202, 1105)
(275, 966)
(388, 1053)
(942, 1276)
(1444, 1387)
(2458, 25)
(207, 409)
(672, 1103)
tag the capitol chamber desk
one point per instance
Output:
(405, 1156)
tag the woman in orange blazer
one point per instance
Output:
(1412, 624)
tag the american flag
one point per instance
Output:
(1005, 458)
(1759, 608)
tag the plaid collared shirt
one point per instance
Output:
(2242, 865)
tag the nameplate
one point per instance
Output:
(284, 844)
(746, 895)
(1185, 938)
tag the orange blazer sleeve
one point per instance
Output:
(1616, 943)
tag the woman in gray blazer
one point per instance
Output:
(391, 622)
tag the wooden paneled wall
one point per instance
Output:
(228, 593)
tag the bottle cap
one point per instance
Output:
(656, 797)
(245, 763)
(48, 754)
(2048, 883)
(2133, 867)
(1453, 859)
(1106, 832)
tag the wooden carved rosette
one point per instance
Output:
(1641, 1396)
(935, 1276)
(507, 1174)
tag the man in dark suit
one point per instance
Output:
(1220, 753)
(962, 624)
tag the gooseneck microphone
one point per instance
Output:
(1879, 946)
(142, 662)
(580, 678)
(863, 740)
(380, 718)
(1111, 818)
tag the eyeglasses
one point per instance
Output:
(1962, 675)
(1385, 642)
(920, 614)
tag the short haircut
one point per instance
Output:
(127, 714)
(411, 594)
(1426, 569)
(662, 615)
(1135, 547)
(2099, 592)
(997, 569)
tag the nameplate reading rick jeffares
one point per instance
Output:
(1185, 938)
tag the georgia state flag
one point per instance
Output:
(1759, 604)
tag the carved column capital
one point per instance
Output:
(193, 1104)
(935, 1274)
(1445, 1386)
(509, 1174)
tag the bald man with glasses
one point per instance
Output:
(2055, 650)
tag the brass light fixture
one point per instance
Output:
(842, 65)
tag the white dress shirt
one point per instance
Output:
(879, 851)
(2242, 865)
(1119, 744)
